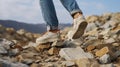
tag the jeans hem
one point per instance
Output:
(52, 27)
(75, 11)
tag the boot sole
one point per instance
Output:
(80, 30)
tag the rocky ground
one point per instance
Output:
(98, 47)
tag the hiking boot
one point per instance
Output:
(49, 36)
(78, 29)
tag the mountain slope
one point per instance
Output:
(35, 28)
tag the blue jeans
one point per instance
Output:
(49, 13)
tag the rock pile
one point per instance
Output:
(101, 40)
(98, 47)
(19, 35)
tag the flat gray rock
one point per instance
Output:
(74, 53)
(105, 58)
(6, 63)
(2, 50)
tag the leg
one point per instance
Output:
(71, 6)
(79, 24)
(49, 13)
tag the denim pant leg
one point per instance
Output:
(49, 14)
(71, 6)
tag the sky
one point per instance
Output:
(29, 11)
